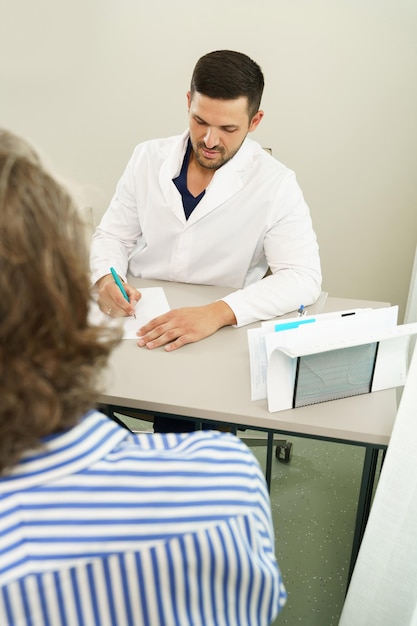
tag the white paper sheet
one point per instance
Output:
(152, 303)
(335, 332)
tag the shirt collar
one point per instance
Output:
(65, 453)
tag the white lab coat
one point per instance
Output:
(253, 215)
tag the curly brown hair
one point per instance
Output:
(50, 356)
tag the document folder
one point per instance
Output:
(365, 363)
(337, 357)
(334, 374)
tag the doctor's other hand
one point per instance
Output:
(111, 300)
(186, 325)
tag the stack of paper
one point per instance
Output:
(305, 360)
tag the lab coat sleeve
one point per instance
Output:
(292, 253)
(118, 232)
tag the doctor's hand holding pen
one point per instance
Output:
(116, 298)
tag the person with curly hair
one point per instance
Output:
(99, 525)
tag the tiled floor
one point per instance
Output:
(314, 500)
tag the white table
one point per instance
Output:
(210, 380)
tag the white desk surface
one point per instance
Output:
(210, 379)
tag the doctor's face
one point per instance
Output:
(218, 128)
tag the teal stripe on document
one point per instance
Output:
(296, 324)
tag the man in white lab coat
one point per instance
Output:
(209, 207)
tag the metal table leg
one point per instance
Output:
(269, 455)
(364, 503)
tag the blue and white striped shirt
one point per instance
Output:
(102, 526)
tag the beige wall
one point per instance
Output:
(88, 79)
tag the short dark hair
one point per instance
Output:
(227, 75)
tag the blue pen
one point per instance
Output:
(120, 285)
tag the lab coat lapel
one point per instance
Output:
(170, 168)
(226, 182)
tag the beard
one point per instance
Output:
(216, 163)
